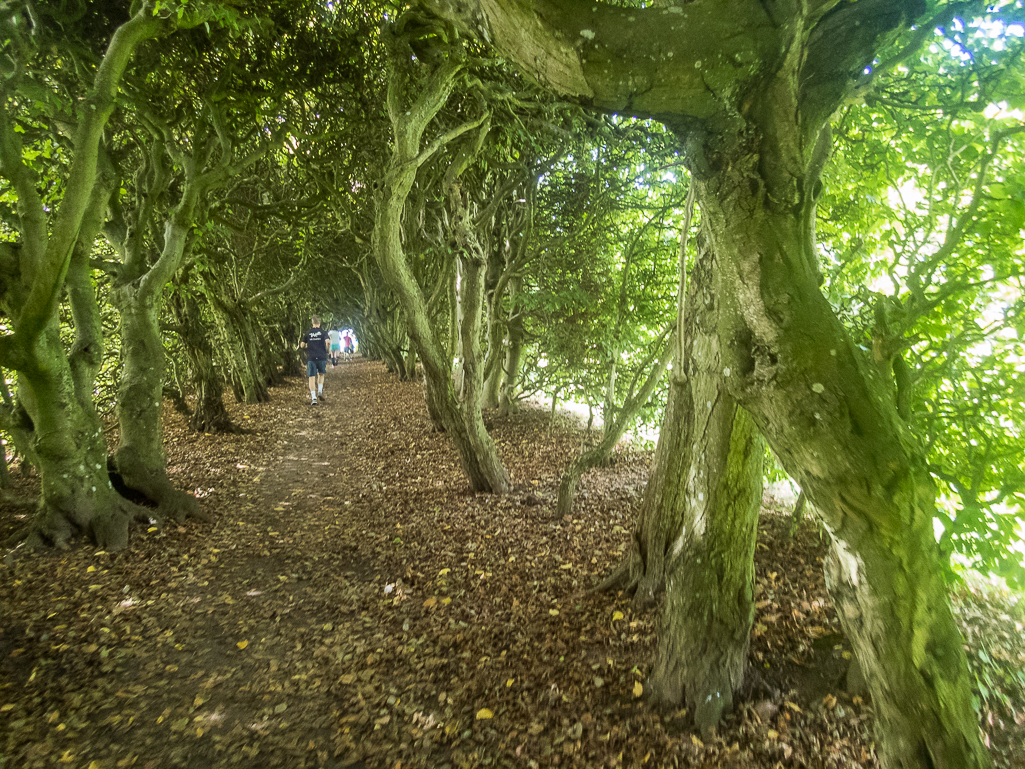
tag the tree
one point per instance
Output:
(54, 243)
(185, 154)
(641, 216)
(410, 110)
(613, 431)
(210, 415)
(750, 89)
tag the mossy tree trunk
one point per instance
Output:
(68, 445)
(55, 387)
(474, 267)
(410, 115)
(14, 420)
(833, 423)
(706, 626)
(152, 244)
(498, 294)
(709, 609)
(697, 526)
(72, 452)
(750, 88)
(210, 414)
(139, 295)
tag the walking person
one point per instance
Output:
(336, 345)
(317, 345)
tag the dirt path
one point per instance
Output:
(354, 604)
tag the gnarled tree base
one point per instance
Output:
(702, 658)
(214, 422)
(105, 517)
(171, 504)
(637, 576)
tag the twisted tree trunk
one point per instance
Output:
(750, 87)
(410, 114)
(55, 388)
(210, 414)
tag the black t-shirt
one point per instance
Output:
(315, 348)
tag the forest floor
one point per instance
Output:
(355, 604)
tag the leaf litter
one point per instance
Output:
(356, 604)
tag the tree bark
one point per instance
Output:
(410, 117)
(709, 610)
(514, 351)
(77, 495)
(139, 295)
(55, 388)
(473, 375)
(497, 285)
(67, 442)
(473, 268)
(749, 88)
(139, 457)
(210, 414)
(697, 526)
(834, 425)
(706, 626)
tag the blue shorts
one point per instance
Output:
(314, 367)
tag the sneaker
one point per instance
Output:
(313, 402)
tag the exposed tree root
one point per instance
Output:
(178, 506)
(625, 577)
(153, 486)
(105, 518)
(13, 500)
(215, 424)
(635, 576)
(18, 537)
(171, 504)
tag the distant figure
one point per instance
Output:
(336, 344)
(347, 341)
(317, 344)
